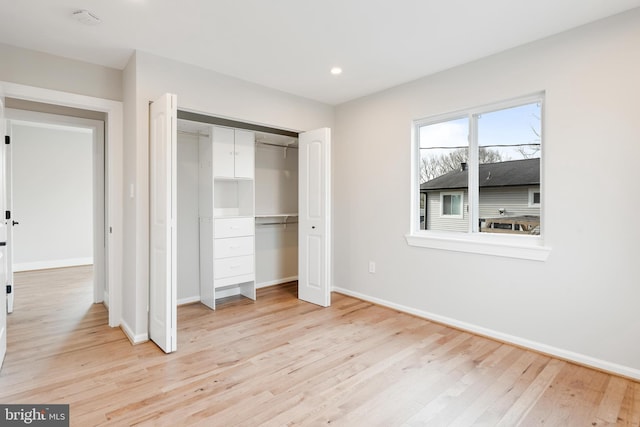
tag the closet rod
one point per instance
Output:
(275, 223)
(275, 145)
(185, 132)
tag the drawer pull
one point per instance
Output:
(234, 266)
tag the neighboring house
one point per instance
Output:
(509, 198)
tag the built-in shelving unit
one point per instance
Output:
(227, 221)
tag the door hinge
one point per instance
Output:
(9, 289)
(7, 139)
(7, 214)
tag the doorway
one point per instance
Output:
(46, 100)
(57, 198)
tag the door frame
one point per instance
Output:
(113, 175)
(47, 120)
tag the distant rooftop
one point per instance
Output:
(512, 173)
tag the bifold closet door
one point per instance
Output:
(314, 228)
(162, 211)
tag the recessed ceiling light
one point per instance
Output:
(85, 17)
(336, 70)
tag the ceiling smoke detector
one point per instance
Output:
(86, 17)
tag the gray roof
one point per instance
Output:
(512, 173)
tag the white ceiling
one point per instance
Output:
(291, 45)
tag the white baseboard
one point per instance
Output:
(188, 300)
(55, 263)
(560, 353)
(135, 339)
(276, 282)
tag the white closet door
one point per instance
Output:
(163, 260)
(314, 228)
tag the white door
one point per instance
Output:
(314, 228)
(3, 242)
(162, 210)
(9, 217)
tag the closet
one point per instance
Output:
(237, 207)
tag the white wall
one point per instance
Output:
(32, 68)
(130, 212)
(583, 301)
(146, 78)
(52, 196)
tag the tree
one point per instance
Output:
(533, 150)
(434, 166)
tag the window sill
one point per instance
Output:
(521, 247)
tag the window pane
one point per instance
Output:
(456, 205)
(446, 205)
(509, 144)
(444, 153)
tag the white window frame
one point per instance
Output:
(502, 244)
(443, 194)
(532, 191)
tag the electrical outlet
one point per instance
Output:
(372, 267)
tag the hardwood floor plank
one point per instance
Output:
(611, 403)
(629, 413)
(531, 395)
(279, 361)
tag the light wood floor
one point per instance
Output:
(280, 361)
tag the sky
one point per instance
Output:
(502, 128)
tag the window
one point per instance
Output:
(534, 197)
(451, 204)
(478, 174)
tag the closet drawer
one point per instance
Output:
(233, 246)
(233, 227)
(229, 267)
